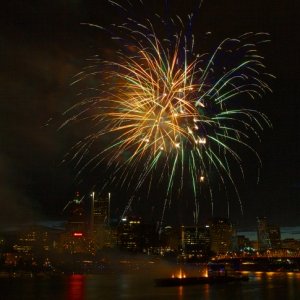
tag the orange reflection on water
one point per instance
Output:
(180, 292)
(76, 287)
(245, 272)
(258, 275)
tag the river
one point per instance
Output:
(140, 285)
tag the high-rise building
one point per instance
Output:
(275, 236)
(195, 239)
(100, 221)
(169, 238)
(75, 239)
(263, 236)
(130, 234)
(221, 233)
(77, 220)
(101, 211)
(241, 243)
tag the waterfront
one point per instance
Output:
(140, 285)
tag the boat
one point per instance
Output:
(216, 273)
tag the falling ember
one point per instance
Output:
(202, 140)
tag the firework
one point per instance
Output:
(172, 112)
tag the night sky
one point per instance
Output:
(43, 44)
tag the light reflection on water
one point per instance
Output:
(140, 285)
(76, 288)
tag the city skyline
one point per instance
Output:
(43, 50)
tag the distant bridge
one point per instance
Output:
(263, 263)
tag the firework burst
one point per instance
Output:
(172, 112)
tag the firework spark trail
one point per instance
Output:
(172, 109)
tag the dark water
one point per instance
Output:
(140, 285)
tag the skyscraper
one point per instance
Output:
(195, 239)
(101, 211)
(275, 236)
(221, 232)
(77, 219)
(75, 239)
(263, 236)
(100, 221)
(130, 234)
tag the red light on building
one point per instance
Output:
(77, 234)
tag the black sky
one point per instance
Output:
(42, 45)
